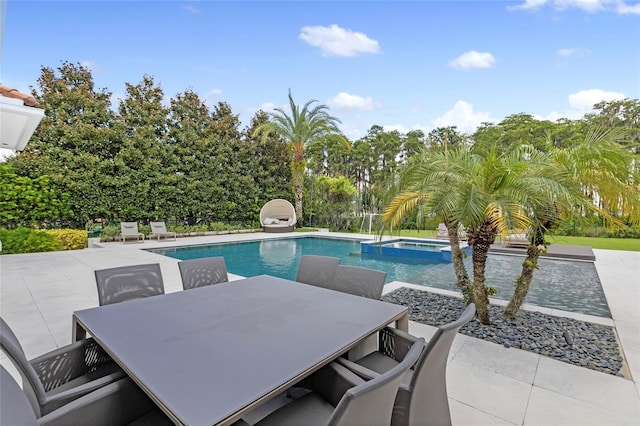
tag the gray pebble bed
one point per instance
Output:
(576, 342)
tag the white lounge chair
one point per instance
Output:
(441, 232)
(129, 230)
(516, 238)
(278, 216)
(159, 229)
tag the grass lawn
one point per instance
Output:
(627, 244)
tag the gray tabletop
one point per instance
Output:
(209, 355)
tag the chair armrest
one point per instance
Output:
(69, 362)
(395, 343)
(63, 398)
(115, 404)
(358, 369)
(332, 381)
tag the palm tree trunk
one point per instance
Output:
(463, 282)
(481, 238)
(297, 172)
(534, 250)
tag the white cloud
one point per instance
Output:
(90, 65)
(191, 9)
(581, 103)
(344, 100)
(401, 128)
(213, 95)
(337, 41)
(529, 5)
(463, 117)
(268, 107)
(625, 9)
(592, 6)
(566, 52)
(473, 59)
(585, 99)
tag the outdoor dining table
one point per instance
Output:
(210, 355)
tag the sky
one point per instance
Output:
(401, 65)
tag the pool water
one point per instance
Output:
(560, 284)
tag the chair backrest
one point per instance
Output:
(129, 228)
(14, 405)
(202, 272)
(427, 399)
(158, 227)
(317, 270)
(359, 281)
(32, 384)
(372, 402)
(128, 282)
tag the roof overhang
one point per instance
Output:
(17, 123)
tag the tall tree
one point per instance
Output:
(74, 144)
(487, 191)
(189, 140)
(426, 182)
(599, 166)
(267, 162)
(299, 127)
(142, 127)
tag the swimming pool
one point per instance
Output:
(560, 284)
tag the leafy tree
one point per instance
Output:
(299, 128)
(142, 128)
(329, 155)
(334, 203)
(488, 192)
(267, 162)
(189, 148)
(600, 166)
(413, 142)
(621, 114)
(445, 138)
(74, 143)
(29, 202)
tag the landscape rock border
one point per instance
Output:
(581, 343)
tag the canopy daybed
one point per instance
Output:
(278, 216)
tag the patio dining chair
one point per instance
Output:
(128, 282)
(359, 281)
(62, 375)
(202, 272)
(317, 270)
(422, 396)
(118, 403)
(340, 397)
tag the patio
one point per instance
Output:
(488, 383)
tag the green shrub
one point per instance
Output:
(70, 239)
(27, 240)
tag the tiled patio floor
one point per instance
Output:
(488, 383)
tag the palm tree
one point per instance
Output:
(299, 128)
(599, 166)
(425, 181)
(487, 192)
